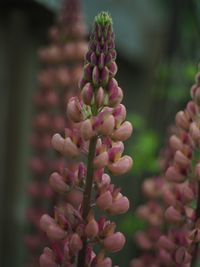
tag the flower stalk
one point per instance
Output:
(87, 195)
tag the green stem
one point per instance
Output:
(196, 250)
(87, 196)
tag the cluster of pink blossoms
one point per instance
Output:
(99, 129)
(173, 209)
(61, 70)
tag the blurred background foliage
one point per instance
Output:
(158, 52)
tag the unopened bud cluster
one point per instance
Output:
(99, 129)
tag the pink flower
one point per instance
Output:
(47, 259)
(173, 215)
(121, 166)
(114, 242)
(57, 183)
(75, 243)
(104, 201)
(119, 206)
(92, 229)
(123, 132)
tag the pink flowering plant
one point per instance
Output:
(60, 72)
(95, 143)
(173, 207)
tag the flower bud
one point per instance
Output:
(111, 84)
(114, 242)
(74, 110)
(108, 59)
(166, 243)
(87, 131)
(113, 69)
(101, 61)
(119, 206)
(101, 160)
(119, 114)
(87, 72)
(169, 197)
(182, 120)
(191, 109)
(55, 232)
(186, 192)
(93, 59)
(104, 201)
(107, 126)
(95, 76)
(181, 159)
(57, 183)
(99, 98)
(165, 258)
(194, 132)
(74, 198)
(121, 166)
(70, 149)
(92, 229)
(173, 175)
(173, 215)
(87, 94)
(175, 143)
(75, 243)
(57, 142)
(123, 132)
(115, 96)
(47, 259)
(105, 179)
(104, 76)
(45, 222)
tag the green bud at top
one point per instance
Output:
(103, 18)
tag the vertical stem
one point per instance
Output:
(195, 255)
(87, 196)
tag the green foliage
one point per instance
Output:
(136, 119)
(144, 146)
(175, 79)
(131, 224)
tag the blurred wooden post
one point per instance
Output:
(20, 39)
